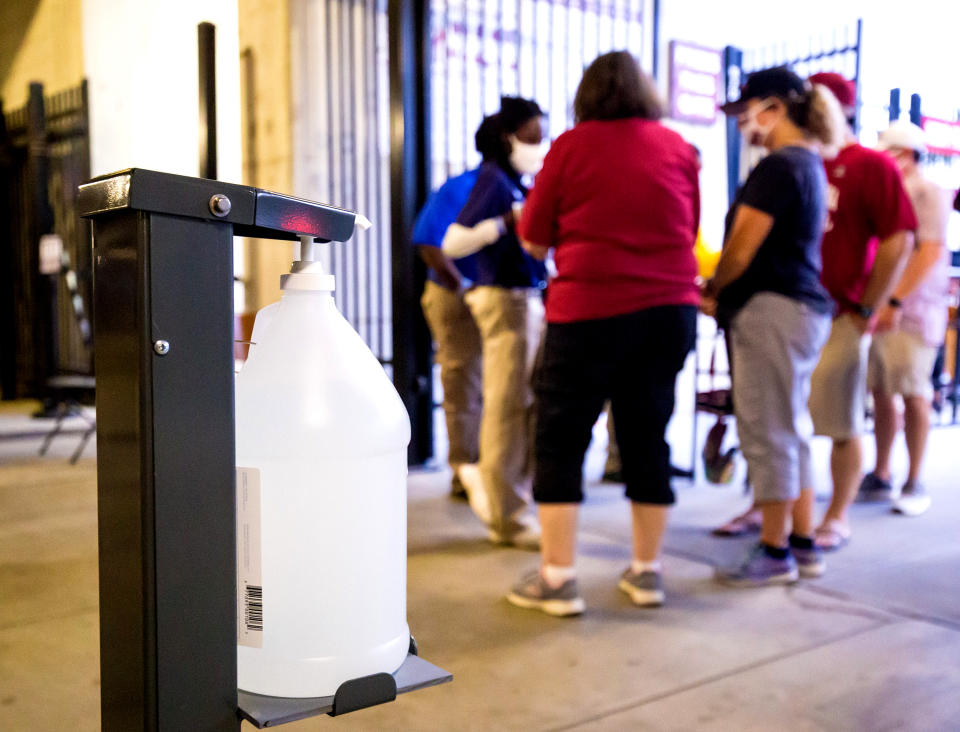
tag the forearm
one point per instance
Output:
(729, 269)
(446, 270)
(461, 241)
(919, 265)
(887, 267)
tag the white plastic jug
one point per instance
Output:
(322, 441)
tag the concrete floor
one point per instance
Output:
(874, 645)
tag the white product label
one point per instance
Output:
(249, 579)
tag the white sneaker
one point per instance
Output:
(913, 501)
(477, 495)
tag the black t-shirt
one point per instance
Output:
(790, 185)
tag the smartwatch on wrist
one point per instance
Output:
(895, 302)
(864, 311)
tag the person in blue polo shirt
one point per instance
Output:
(507, 307)
(457, 339)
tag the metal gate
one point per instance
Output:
(382, 113)
(838, 51)
(533, 48)
(44, 157)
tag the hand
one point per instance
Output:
(708, 306)
(888, 319)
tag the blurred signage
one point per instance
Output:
(695, 73)
(943, 138)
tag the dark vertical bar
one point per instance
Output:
(915, 113)
(249, 86)
(409, 82)
(41, 221)
(894, 104)
(733, 71)
(167, 558)
(207, 53)
(856, 76)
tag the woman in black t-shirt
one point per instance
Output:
(767, 294)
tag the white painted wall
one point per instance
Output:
(141, 61)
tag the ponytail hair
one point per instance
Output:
(819, 115)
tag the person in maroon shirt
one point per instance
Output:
(618, 202)
(865, 247)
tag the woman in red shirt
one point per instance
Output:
(618, 202)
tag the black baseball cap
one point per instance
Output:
(776, 82)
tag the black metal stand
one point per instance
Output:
(163, 328)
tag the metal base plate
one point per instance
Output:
(270, 711)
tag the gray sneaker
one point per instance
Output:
(644, 588)
(533, 593)
(874, 489)
(758, 569)
(810, 562)
(913, 501)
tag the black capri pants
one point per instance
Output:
(632, 360)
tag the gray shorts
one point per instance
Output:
(838, 389)
(776, 342)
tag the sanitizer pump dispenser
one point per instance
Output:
(322, 441)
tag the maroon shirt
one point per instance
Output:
(620, 202)
(867, 203)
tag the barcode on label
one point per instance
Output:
(253, 608)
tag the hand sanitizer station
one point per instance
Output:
(252, 526)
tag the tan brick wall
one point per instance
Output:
(267, 137)
(40, 40)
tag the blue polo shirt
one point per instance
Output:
(503, 263)
(441, 210)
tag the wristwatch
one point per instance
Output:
(864, 311)
(895, 302)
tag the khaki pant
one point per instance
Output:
(459, 357)
(510, 323)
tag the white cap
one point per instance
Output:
(905, 135)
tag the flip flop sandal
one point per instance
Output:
(742, 525)
(831, 536)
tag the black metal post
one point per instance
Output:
(409, 185)
(916, 116)
(894, 104)
(166, 492)
(207, 53)
(732, 73)
(44, 286)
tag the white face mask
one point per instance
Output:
(525, 158)
(753, 132)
